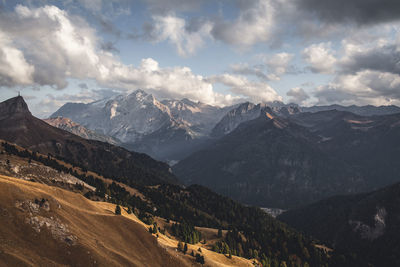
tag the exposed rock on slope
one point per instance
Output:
(77, 129)
(367, 224)
(67, 229)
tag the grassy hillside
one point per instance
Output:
(249, 232)
(68, 229)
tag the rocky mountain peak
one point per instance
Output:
(13, 106)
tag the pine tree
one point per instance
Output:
(199, 258)
(118, 210)
(180, 246)
(219, 233)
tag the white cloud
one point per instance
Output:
(365, 73)
(14, 69)
(272, 68)
(320, 57)
(298, 95)
(278, 65)
(174, 30)
(71, 49)
(363, 87)
(253, 91)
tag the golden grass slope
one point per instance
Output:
(70, 230)
(102, 238)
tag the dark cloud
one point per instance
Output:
(244, 69)
(166, 6)
(385, 59)
(83, 86)
(358, 11)
(109, 46)
(297, 95)
(108, 27)
(329, 94)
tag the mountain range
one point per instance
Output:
(171, 130)
(168, 130)
(285, 161)
(269, 154)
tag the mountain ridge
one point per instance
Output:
(24, 129)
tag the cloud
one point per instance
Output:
(186, 39)
(279, 64)
(52, 102)
(166, 6)
(14, 69)
(363, 87)
(176, 82)
(245, 69)
(71, 49)
(381, 57)
(106, 8)
(253, 91)
(365, 73)
(298, 95)
(108, 46)
(255, 23)
(357, 11)
(320, 57)
(272, 68)
(83, 86)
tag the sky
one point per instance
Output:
(219, 52)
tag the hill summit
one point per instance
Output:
(13, 106)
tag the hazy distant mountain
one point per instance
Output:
(141, 122)
(248, 111)
(127, 118)
(368, 110)
(277, 161)
(200, 117)
(367, 224)
(17, 125)
(370, 144)
(75, 128)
